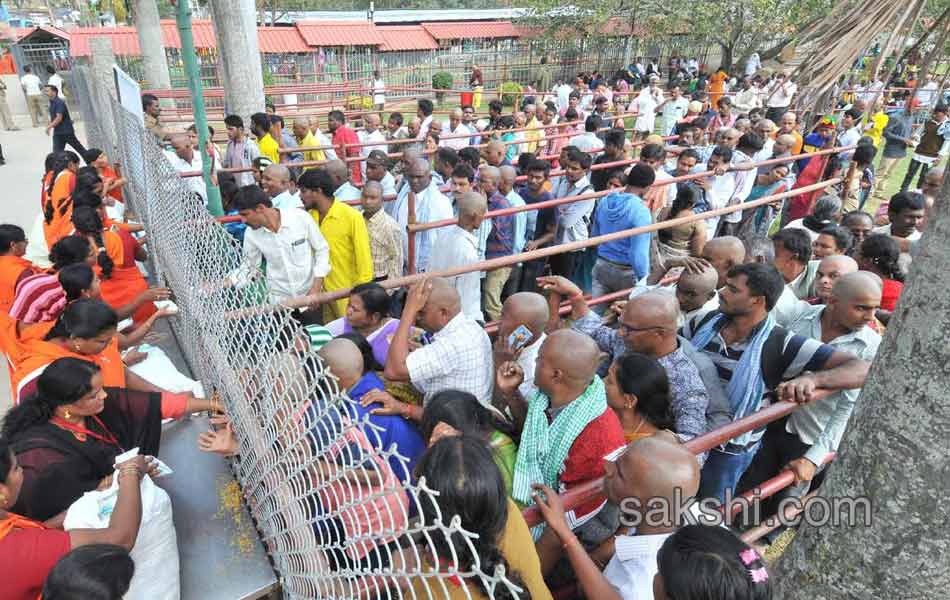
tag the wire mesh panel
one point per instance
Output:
(340, 515)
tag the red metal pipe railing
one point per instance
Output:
(505, 261)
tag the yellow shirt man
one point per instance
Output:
(534, 135)
(351, 262)
(876, 126)
(269, 148)
(309, 155)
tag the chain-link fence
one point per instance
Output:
(339, 515)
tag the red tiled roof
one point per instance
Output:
(125, 40)
(471, 29)
(406, 37)
(280, 40)
(340, 33)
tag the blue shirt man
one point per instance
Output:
(621, 263)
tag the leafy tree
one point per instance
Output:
(738, 27)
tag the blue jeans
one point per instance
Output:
(722, 471)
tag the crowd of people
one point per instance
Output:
(722, 315)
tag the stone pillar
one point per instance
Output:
(235, 26)
(149, 30)
(102, 90)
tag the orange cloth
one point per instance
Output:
(109, 173)
(7, 66)
(40, 353)
(127, 282)
(716, 86)
(43, 194)
(11, 269)
(17, 522)
(61, 223)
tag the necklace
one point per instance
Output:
(81, 433)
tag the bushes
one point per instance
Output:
(510, 93)
(442, 81)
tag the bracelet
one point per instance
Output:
(130, 470)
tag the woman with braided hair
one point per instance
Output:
(122, 282)
(57, 208)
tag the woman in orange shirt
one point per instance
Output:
(85, 330)
(717, 83)
(122, 282)
(111, 182)
(13, 267)
(57, 208)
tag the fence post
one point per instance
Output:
(183, 18)
(103, 87)
(411, 245)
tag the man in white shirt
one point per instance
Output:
(574, 218)
(36, 101)
(370, 134)
(55, 80)
(322, 139)
(588, 141)
(430, 205)
(849, 135)
(184, 159)
(459, 357)
(563, 91)
(424, 113)
(297, 255)
(340, 174)
(927, 94)
(458, 247)
(673, 109)
(379, 91)
(456, 127)
(779, 97)
(747, 98)
(648, 480)
(276, 183)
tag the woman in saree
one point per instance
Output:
(451, 412)
(86, 330)
(122, 281)
(57, 208)
(29, 549)
(67, 435)
(13, 267)
(682, 240)
(368, 314)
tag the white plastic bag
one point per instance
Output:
(156, 546)
(160, 371)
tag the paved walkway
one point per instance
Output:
(20, 181)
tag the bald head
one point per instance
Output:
(857, 283)
(654, 467)
(574, 354)
(829, 270)
(525, 308)
(278, 172)
(508, 174)
(337, 171)
(693, 290)
(344, 360)
(654, 309)
(373, 187)
(444, 295)
(489, 172)
(472, 207)
(371, 122)
(723, 253)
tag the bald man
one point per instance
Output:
(340, 175)
(322, 138)
(567, 450)
(803, 440)
(506, 186)
(830, 269)
(696, 293)
(648, 482)
(185, 158)
(345, 362)
(371, 134)
(722, 253)
(494, 153)
(306, 139)
(458, 247)
(430, 205)
(524, 316)
(459, 357)
(500, 241)
(456, 126)
(648, 325)
(275, 180)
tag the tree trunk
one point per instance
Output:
(235, 29)
(149, 30)
(725, 61)
(895, 454)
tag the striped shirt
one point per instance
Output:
(785, 356)
(38, 298)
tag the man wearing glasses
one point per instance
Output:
(648, 325)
